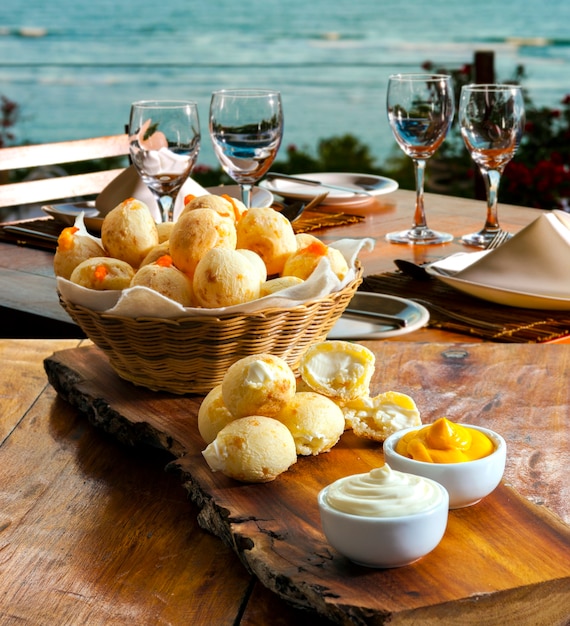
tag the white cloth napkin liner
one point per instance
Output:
(143, 302)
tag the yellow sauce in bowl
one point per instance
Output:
(445, 442)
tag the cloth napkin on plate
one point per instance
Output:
(128, 184)
(535, 261)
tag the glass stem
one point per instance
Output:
(492, 180)
(419, 214)
(246, 194)
(166, 207)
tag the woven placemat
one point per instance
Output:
(515, 325)
(313, 220)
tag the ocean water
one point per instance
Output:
(74, 66)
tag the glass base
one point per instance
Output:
(480, 239)
(419, 236)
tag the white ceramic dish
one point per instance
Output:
(292, 189)
(67, 212)
(416, 316)
(384, 542)
(466, 482)
(93, 219)
(506, 297)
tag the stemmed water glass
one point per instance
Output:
(420, 112)
(164, 141)
(246, 128)
(491, 118)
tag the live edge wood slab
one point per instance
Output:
(505, 560)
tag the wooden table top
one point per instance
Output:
(92, 532)
(96, 533)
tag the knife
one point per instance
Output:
(369, 316)
(318, 183)
(21, 230)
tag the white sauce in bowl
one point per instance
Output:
(383, 492)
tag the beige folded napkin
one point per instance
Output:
(535, 261)
(128, 184)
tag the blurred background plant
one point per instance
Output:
(10, 113)
(538, 176)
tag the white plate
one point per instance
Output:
(503, 296)
(416, 315)
(292, 189)
(67, 212)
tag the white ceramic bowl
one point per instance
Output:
(384, 542)
(466, 482)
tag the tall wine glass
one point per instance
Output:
(420, 112)
(246, 128)
(164, 141)
(491, 118)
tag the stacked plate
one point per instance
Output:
(358, 189)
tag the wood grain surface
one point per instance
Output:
(505, 560)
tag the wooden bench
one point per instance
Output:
(33, 190)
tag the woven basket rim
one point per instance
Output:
(228, 316)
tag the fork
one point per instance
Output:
(498, 239)
(293, 211)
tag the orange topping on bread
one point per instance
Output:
(100, 272)
(318, 248)
(164, 261)
(237, 213)
(65, 240)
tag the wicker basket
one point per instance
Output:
(192, 354)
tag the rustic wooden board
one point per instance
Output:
(506, 559)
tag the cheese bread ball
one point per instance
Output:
(256, 261)
(103, 273)
(164, 230)
(315, 422)
(304, 261)
(224, 205)
(129, 232)
(258, 384)
(268, 233)
(225, 277)
(213, 415)
(72, 249)
(195, 233)
(305, 239)
(155, 253)
(252, 449)
(338, 369)
(377, 418)
(163, 277)
(278, 284)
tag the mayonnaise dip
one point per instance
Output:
(383, 492)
